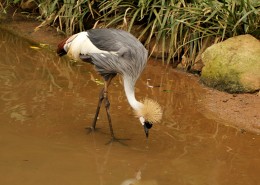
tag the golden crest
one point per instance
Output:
(151, 111)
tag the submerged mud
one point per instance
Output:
(47, 102)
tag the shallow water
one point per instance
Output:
(46, 103)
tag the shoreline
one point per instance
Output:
(240, 110)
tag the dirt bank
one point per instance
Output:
(240, 110)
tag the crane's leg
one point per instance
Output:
(107, 104)
(102, 95)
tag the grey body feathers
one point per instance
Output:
(129, 60)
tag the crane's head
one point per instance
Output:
(149, 113)
(60, 49)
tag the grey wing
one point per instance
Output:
(105, 39)
(126, 56)
(105, 63)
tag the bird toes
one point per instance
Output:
(118, 140)
(113, 139)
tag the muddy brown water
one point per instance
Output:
(46, 103)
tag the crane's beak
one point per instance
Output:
(146, 130)
(147, 126)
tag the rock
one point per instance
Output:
(136, 30)
(198, 64)
(28, 5)
(233, 65)
(197, 67)
(157, 50)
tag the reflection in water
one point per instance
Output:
(47, 101)
(133, 180)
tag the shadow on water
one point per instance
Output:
(46, 102)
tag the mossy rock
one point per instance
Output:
(233, 65)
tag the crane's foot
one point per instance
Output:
(91, 129)
(114, 139)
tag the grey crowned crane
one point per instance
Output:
(113, 52)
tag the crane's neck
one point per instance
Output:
(130, 93)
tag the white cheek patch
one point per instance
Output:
(142, 120)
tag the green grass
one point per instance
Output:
(182, 28)
(185, 26)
